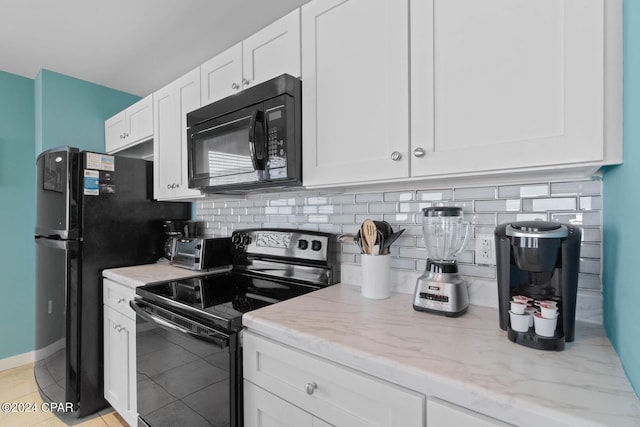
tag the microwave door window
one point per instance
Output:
(224, 150)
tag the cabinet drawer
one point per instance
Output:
(117, 296)
(334, 393)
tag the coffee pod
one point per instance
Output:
(518, 307)
(548, 311)
(519, 322)
(543, 326)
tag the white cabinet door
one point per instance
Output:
(114, 132)
(140, 120)
(119, 363)
(130, 126)
(221, 76)
(445, 414)
(356, 91)
(171, 104)
(333, 393)
(505, 84)
(263, 409)
(272, 51)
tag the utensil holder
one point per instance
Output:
(376, 276)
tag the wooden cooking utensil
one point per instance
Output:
(370, 233)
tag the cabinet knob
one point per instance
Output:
(120, 328)
(419, 152)
(235, 86)
(310, 388)
(245, 82)
(119, 300)
(395, 156)
(115, 326)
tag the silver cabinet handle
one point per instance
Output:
(310, 388)
(395, 156)
(245, 82)
(235, 86)
(419, 152)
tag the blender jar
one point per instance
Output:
(446, 233)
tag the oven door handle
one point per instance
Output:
(216, 337)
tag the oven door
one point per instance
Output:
(187, 373)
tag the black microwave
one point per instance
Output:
(249, 140)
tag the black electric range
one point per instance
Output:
(192, 325)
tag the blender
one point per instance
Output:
(441, 289)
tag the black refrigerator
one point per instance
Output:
(93, 211)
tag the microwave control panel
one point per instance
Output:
(276, 147)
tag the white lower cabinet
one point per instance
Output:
(306, 390)
(263, 409)
(445, 414)
(119, 325)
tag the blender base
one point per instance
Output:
(439, 312)
(441, 293)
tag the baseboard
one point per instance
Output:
(18, 360)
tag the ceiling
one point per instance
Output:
(136, 46)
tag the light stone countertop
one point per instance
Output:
(468, 361)
(139, 275)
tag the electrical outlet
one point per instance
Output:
(485, 249)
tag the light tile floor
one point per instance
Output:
(18, 385)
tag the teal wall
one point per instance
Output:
(621, 227)
(17, 151)
(52, 111)
(72, 112)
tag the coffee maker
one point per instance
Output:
(174, 230)
(538, 262)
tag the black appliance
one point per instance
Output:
(189, 356)
(201, 253)
(93, 211)
(539, 260)
(249, 140)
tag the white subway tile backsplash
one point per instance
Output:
(435, 195)
(333, 211)
(577, 188)
(543, 205)
(475, 193)
(399, 196)
(590, 203)
(369, 197)
(510, 205)
(523, 191)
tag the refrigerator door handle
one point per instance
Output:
(57, 244)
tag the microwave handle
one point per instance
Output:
(258, 149)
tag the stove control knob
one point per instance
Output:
(303, 244)
(316, 245)
(236, 239)
(246, 240)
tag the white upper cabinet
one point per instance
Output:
(129, 127)
(170, 166)
(504, 85)
(355, 91)
(459, 88)
(221, 76)
(272, 51)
